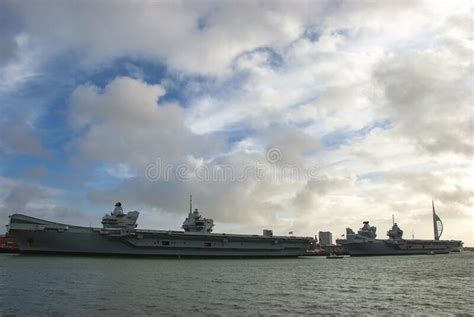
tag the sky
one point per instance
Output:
(299, 116)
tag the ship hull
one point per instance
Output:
(36, 236)
(403, 247)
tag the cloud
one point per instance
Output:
(376, 96)
(292, 95)
(19, 139)
(37, 200)
(125, 123)
(18, 64)
(20, 196)
(193, 37)
(429, 99)
(450, 189)
(230, 198)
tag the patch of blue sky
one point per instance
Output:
(202, 23)
(343, 137)
(83, 176)
(312, 33)
(17, 164)
(38, 101)
(233, 134)
(148, 71)
(189, 88)
(64, 77)
(274, 59)
(220, 88)
(58, 173)
(199, 88)
(151, 72)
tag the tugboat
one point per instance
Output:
(364, 243)
(8, 245)
(120, 236)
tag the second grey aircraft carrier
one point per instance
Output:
(364, 242)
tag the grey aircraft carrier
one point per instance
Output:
(364, 242)
(120, 236)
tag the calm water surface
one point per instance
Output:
(425, 285)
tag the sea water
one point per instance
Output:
(109, 286)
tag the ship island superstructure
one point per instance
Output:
(120, 236)
(365, 242)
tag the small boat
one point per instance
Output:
(334, 256)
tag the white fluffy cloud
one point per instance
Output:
(125, 123)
